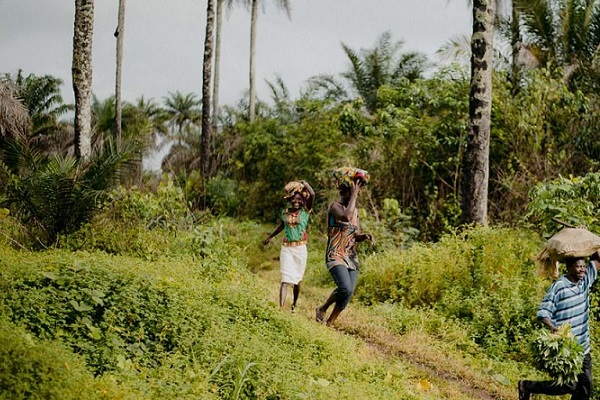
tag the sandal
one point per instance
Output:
(523, 393)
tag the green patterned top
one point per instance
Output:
(295, 224)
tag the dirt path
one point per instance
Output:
(387, 343)
(451, 374)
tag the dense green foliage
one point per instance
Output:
(485, 278)
(160, 302)
(574, 200)
(172, 329)
(412, 145)
(40, 369)
(411, 138)
(144, 293)
(56, 195)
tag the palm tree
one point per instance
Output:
(370, 69)
(217, 56)
(217, 59)
(282, 4)
(142, 124)
(564, 33)
(42, 97)
(507, 25)
(206, 80)
(82, 75)
(476, 160)
(184, 156)
(55, 195)
(383, 65)
(119, 34)
(181, 112)
(153, 117)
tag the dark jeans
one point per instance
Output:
(580, 390)
(345, 279)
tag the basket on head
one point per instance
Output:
(346, 176)
(568, 243)
(292, 188)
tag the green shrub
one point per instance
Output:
(98, 313)
(393, 229)
(574, 200)
(34, 369)
(185, 327)
(485, 277)
(12, 233)
(223, 195)
(56, 195)
(166, 208)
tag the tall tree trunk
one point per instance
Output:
(515, 45)
(82, 76)
(206, 80)
(252, 99)
(217, 74)
(119, 34)
(476, 161)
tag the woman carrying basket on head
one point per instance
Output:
(343, 232)
(294, 221)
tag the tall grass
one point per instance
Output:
(484, 277)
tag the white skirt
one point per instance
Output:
(293, 263)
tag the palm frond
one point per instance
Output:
(52, 195)
(328, 87)
(539, 27)
(457, 48)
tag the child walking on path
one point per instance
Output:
(294, 221)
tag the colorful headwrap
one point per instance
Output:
(345, 176)
(292, 188)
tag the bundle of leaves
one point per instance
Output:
(558, 354)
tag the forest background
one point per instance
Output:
(138, 284)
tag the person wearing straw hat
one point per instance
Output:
(294, 222)
(567, 302)
(343, 232)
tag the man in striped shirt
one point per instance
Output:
(567, 301)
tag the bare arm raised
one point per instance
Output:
(311, 198)
(345, 210)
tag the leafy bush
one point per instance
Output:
(12, 233)
(271, 152)
(134, 222)
(484, 277)
(393, 229)
(34, 369)
(166, 208)
(412, 148)
(223, 195)
(96, 312)
(574, 200)
(160, 328)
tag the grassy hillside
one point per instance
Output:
(197, 317)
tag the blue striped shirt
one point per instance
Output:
(568, 302)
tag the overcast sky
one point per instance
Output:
(164, 41)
